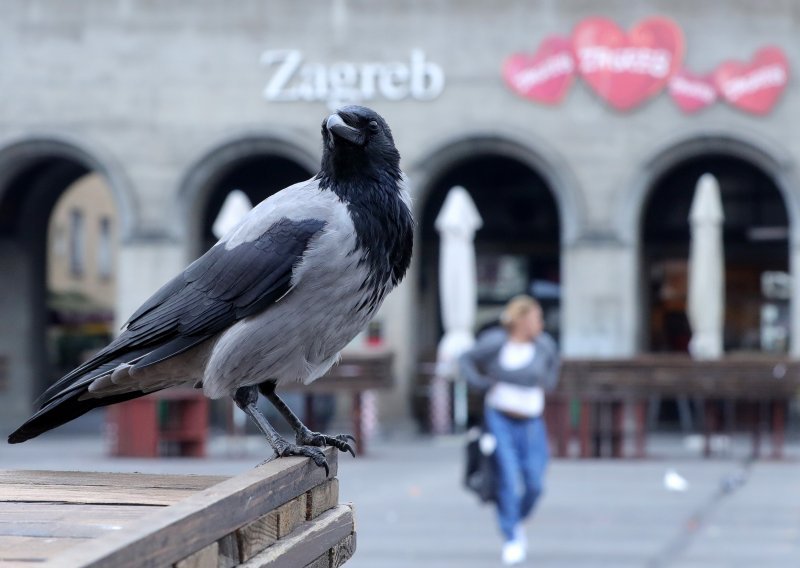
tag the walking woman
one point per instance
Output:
(514, 367)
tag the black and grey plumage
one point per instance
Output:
(274, 301)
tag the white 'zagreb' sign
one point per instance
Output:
(294, 79)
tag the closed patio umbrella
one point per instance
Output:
(234, 208)
(456, 223)
(706, 287)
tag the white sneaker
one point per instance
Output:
(521, 537)
(513, 553)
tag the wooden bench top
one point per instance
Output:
(756, 377)
(358, 370)
(63, 519)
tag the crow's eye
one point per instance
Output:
(373, 126)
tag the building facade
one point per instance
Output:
(81, 274)
(583, 190)
(81, 244)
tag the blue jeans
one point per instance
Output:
(522, 452)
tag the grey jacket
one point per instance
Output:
(480, 366)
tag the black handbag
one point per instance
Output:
(480, 474)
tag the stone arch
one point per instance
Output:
(772, 160)
(533, 153)
(20, 154)
(538, 165)
(35, 169)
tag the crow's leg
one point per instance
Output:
(245, 398)
(303, 434)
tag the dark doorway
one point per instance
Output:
(258, 176)
(755, 240)
(37, 315)
(517, 251)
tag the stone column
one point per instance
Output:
(20, 349)
(145, 264)
(600, 299)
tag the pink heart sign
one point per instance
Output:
(754, 87)
(692, 92)
(626, 69)
(544, 76)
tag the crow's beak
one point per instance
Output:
(337, 127)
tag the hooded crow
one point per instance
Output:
(274, 301)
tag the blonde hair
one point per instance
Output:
(517, 308)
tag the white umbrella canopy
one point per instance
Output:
(706, 287)
(234, 208)
(456, 223)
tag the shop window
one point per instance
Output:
(755, 242)
(77, 243)
(104, 254)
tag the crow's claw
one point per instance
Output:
(310, 452)
(340, 442)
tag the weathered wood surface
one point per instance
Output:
(64, 519)
(356, 372)
(26, 550)
(18, 492)
(185, 527)
(303, 546)
(90, 479)
(94, 488)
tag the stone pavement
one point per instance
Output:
(412, 512)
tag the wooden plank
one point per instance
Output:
(321, 498)
(61, 529)
(256, 536)
(175, 532)
(206, 558)
(72, 512)
(33, 549)
(291, 515)
(228, 556)
(343, 551)
(308, 542)
(323, 561)
(63, 520)
(261, 533)
(95, 479)
(153, 496)
(20, 564)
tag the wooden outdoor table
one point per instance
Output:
(753, 381)
(284, 513)
(357, 373)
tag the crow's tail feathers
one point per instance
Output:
(61, 410)
(62, 401)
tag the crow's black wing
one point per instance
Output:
(216, 290)
(219, 288)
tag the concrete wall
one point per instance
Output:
(151, 89)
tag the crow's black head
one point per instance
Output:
(362, 166)
(357, 143)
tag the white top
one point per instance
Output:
(515, 355)
(516, 399)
